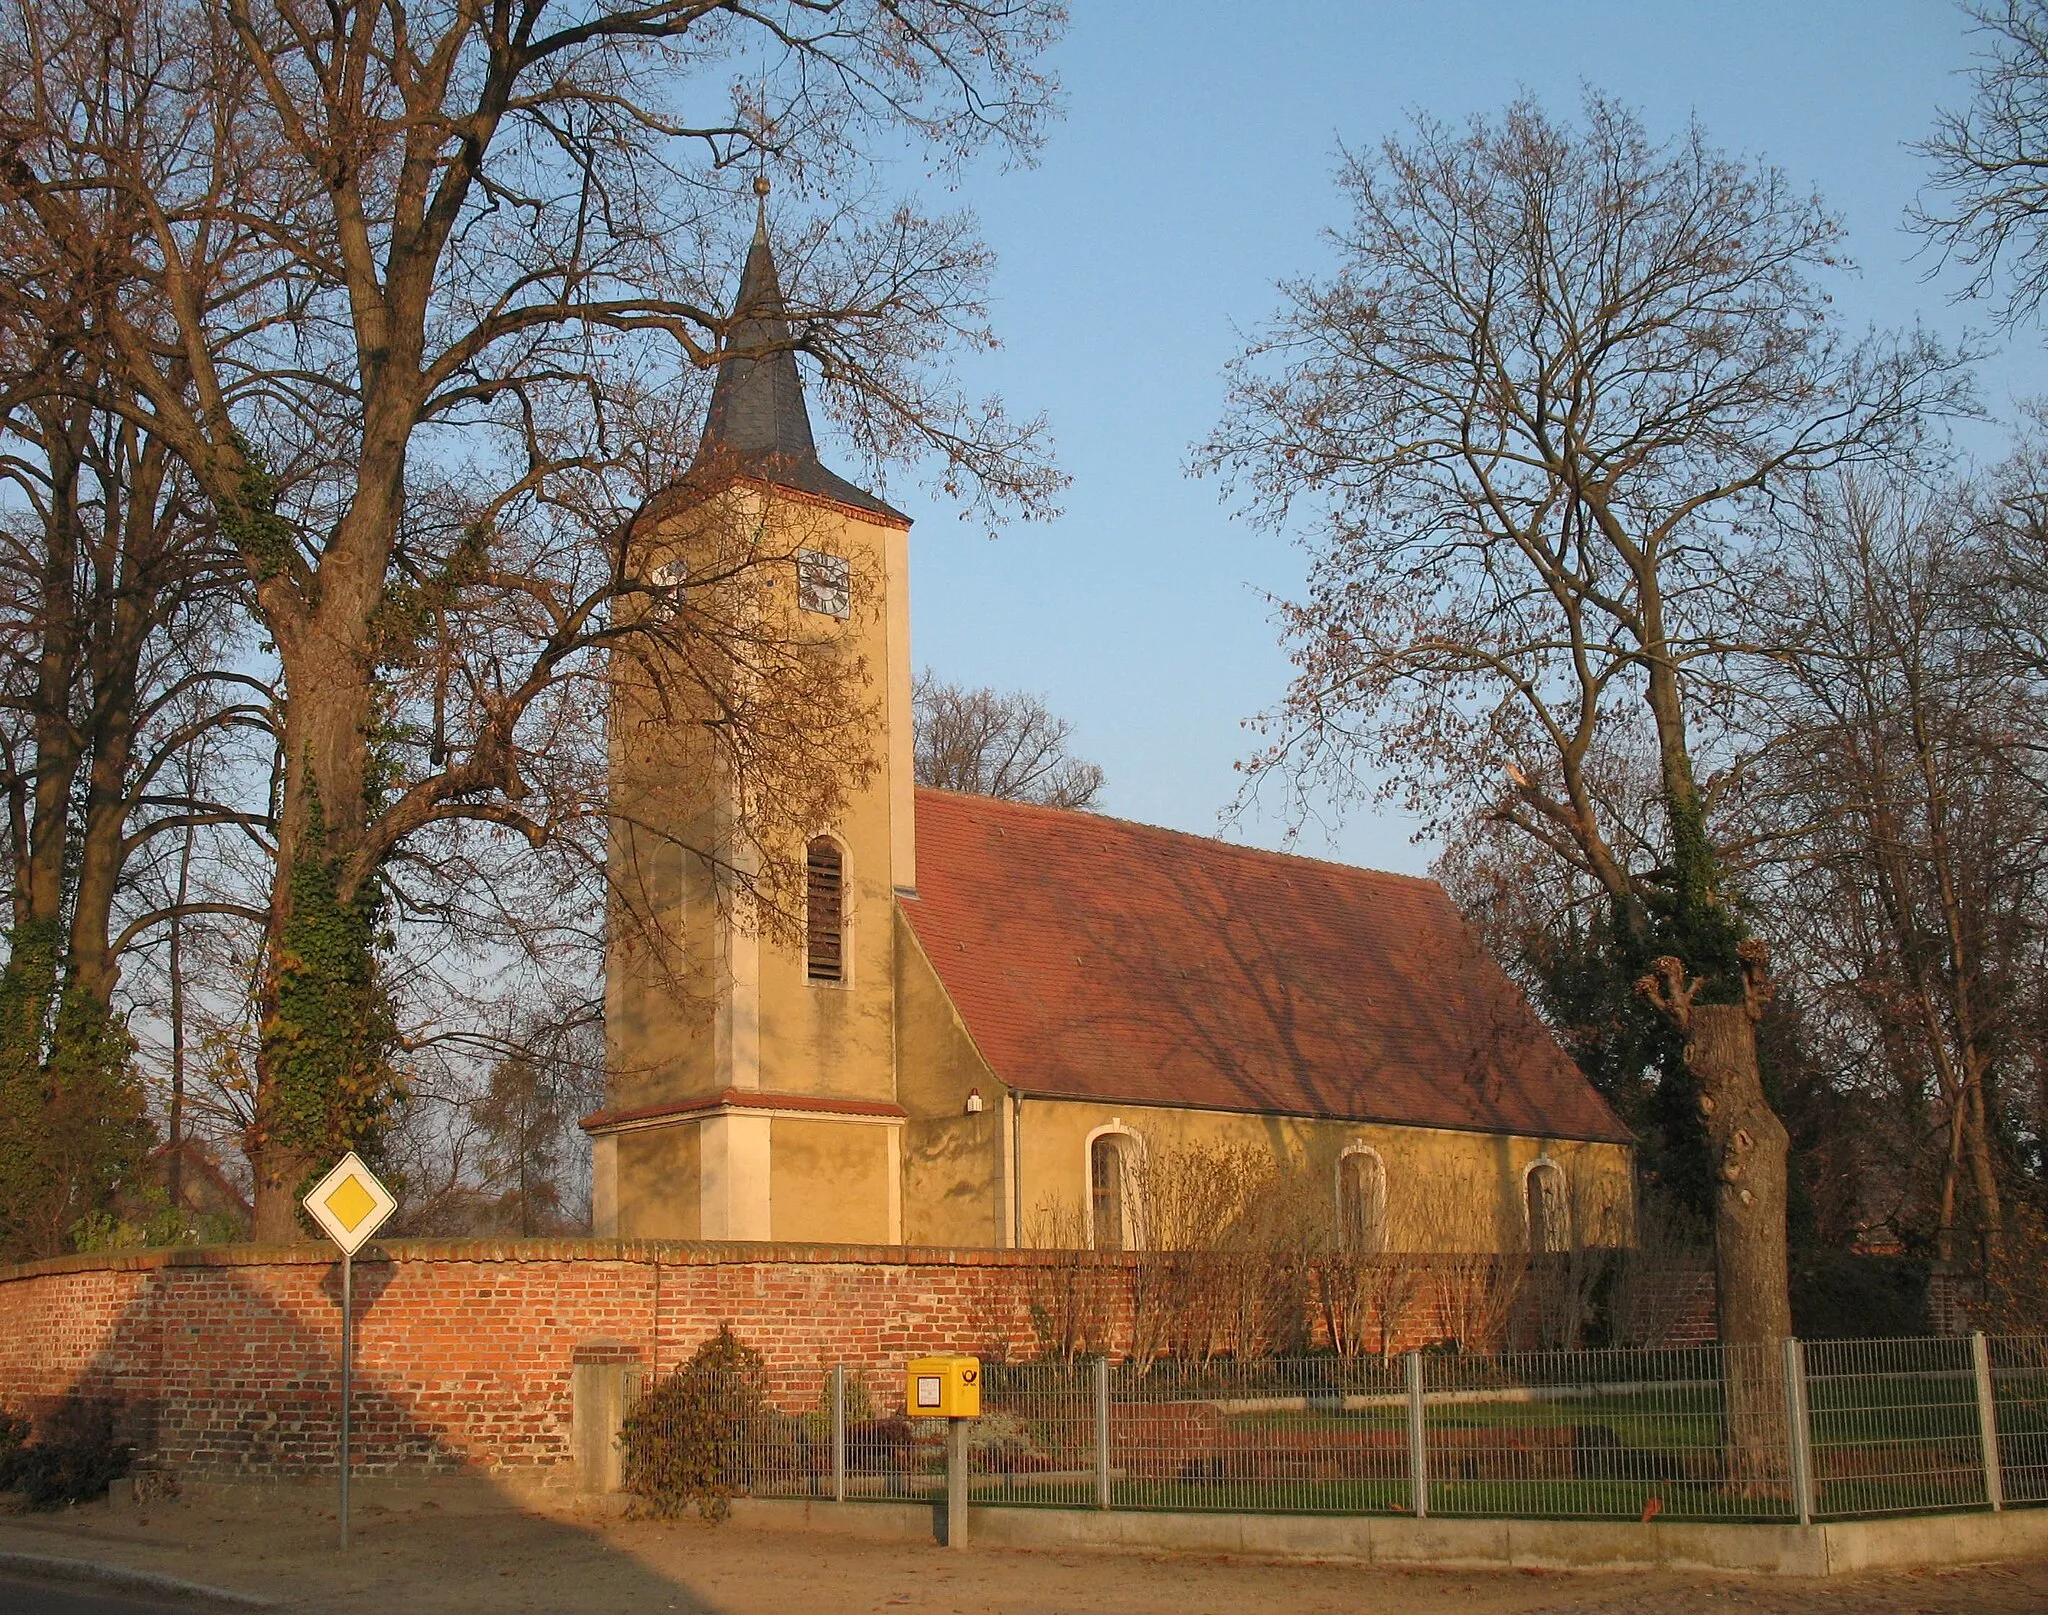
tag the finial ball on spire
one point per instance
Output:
(761, 186)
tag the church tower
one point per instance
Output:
(751, 1040)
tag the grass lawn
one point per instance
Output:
(1892, 1443)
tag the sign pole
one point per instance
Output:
(350, 1205)
(348, 1352)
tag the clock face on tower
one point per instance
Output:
(824, 583)
(667, 582)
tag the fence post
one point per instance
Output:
(838, 1432)
(1987, 1422)
(1798, 1428)
(1418, 1441)
(1102, 1432)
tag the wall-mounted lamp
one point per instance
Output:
(974, 1101)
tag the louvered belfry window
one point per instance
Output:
(825, 891)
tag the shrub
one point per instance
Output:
(1842, 1295)
(71, 1461)
(860, 1401)
(149, 1220)
(688, 1439)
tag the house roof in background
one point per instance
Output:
(1092, 958)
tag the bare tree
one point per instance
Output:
(505, 1156)
(117, 624)
(1557, 375)
(1364, 1285)
(1917, 833)
(1180, 1198)
(1472, 1277)
(2009, 596)
(1653, 1275)
(1989, 163)
(119, 618)
(473, 253)
(1066, 1294)
(987, 743)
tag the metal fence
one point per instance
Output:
(1815, 1430)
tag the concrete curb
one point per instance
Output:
(119, 1578)
(1833, 1548)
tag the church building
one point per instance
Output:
(994, 1015)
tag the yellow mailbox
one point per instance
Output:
(943, 1388)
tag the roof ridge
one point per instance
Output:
(1088, 816)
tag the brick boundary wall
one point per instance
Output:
(1952, 1294)
(1692, 1307)
(223, 1360)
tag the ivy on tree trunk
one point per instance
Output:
(328, 1036)
(73, 1129)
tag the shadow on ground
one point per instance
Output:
(425, 1546)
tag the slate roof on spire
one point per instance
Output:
(758, 425)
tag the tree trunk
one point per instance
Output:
(1984, 1172)
(132, 586)
(1963, 973)
(326, 739)
(326, 657)
(1751, 1150)
(59, 745)
(175, 1128)
(1750, 1145)
(102, 852)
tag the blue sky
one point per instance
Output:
(1194, 169)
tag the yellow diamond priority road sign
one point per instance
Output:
(350, 1204)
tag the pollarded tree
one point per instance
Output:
(471, 248)
(1558, 373)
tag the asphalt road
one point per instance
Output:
(23, 1595)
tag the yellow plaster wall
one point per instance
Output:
(829, 1181)
(658, 1183)
(737, 1008)
(1426, 1169)
(840, 1040)
(955, 1191)
(660, 999)
(667, 984)
(700, 998)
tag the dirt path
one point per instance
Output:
(426, 1557)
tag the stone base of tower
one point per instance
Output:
(754, 1166)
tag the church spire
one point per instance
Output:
(758, 424)
(757, 414)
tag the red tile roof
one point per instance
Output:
(1094, 958)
